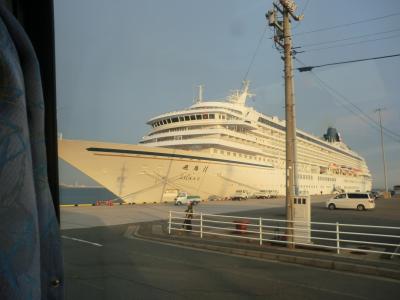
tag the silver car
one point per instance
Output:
(359, 201)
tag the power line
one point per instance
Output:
(255, 52)
(350, 44)
(379, 110)
(361, 115)
(309, 68)
(347, 24)
(349, 38)
(302, 13)
(305, 7)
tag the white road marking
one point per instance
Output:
(82, 241)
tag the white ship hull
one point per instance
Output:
(142, 174)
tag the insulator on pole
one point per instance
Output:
(271, 17)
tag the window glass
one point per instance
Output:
(122, 64)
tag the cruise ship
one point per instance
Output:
(214, 148)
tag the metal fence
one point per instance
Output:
(357, 239)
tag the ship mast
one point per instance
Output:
(200, 95)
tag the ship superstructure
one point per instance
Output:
(215, 147)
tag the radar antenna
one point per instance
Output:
(240, 96)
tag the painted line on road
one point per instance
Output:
(82, 241)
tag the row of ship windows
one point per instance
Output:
(219, 108)
(276, 133)
(229, 153)
(192, 118)
(183, 118)
(320, 178)
(321, 187)
(350, 181)
(308, 177)
(186, 128)
(308, 186)
(323, 145)
(301, 176)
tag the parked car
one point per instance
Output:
(337, 191)
(359, 201)
(273, 194)
(214, 198)
(185, 198)
(374, 194)
(240, 195)
(262, 194)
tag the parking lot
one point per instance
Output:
(386, 212)
(102, 260)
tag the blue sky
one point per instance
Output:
(121, 62)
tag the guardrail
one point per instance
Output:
(358, 239)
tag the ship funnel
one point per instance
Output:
(332, 135)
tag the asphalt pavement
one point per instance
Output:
(110, 262)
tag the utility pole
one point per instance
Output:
(379, 110)
(282, 27)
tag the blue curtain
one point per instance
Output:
(30, 247)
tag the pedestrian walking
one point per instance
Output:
(187, 223)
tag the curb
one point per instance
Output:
(292, 259)
(71, 205)
(114, 204)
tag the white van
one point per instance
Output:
(240, 195)
(262, 194)
(359, 201)
(185, 198)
